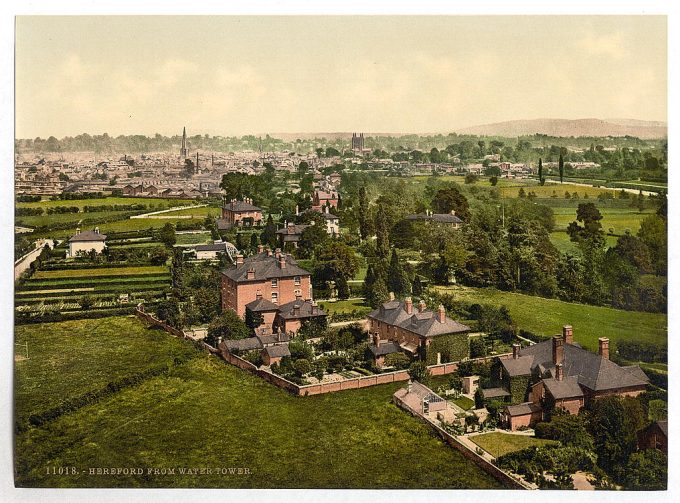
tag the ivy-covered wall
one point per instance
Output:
(519, 386)
(453, 348)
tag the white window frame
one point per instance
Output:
(275, 282)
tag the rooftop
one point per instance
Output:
(87, 236)
(264, 267)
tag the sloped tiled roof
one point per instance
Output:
(425, 324)
(568, 387)
(241, 344)
(239, 206)
(384, 348)
(261, 305)
(265, 267)
(305, 309)
(522, 409)
(277, 351)
(87, 236)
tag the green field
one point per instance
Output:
(134, 224)
(156, 203)
(101, 271)
(619, 219)
(547, 316)
(464, 402)
(497, 444)
(563, 242)
(205, 413)
(201, 212)
(344, 306)
(194, 239)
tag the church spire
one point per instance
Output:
(183, 151)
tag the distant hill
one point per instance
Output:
(566, 127)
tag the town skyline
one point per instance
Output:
(252, 75)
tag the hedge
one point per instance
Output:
(51, 317)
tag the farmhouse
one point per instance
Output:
(440, 218)
(291, 233)
(85, 242)
(274, 276)
(210, 251)
(420, 333)
(558, 373)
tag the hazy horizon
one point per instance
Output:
(231, 76)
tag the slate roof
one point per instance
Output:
(494, 392)
(87, 236)
(247, 344)
(273, 339)
(218, 247)
(305, 310)
(240, 206)
(591, 370)
(292, 230)
(385, 348)
(261, 305)
(568, 387)
(518, 366)
(277, 351)
(329, 216)
(663, 426)
(424, 324)
(265, 267)
(522, 409)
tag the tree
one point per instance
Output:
(313, 236)
(365, 227)
(167, 235)
(471, 178)
(493, 181)
(86, 302)
(168, 311)
(227, 326)
(451, 199)
(303, 167)
(590, 216)
(646, 471)
(561, 167)
(336, 262)
(207, 303)
(375, 286)
(302, 367)
(398, 281)
(397, 360)
(382, 229)
(253, 319)
(268, 236)
(568, 429)
(540, 171)
(418, 371)
(477, 347)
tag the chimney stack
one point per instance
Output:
(269, 252)
(557, 349)
(239, 259)
(408, 305)
(277, 252)
(441, 314)
(250, 273)
(391, 295)
(96, 230)
(604, 347)
(515, 351)
(282, 261)
(258, 295)
(568, 333)
(260, 248)
(376, 339)
(559, 372)
(421, 306)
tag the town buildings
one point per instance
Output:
(420, 333)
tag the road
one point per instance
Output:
(22, 265)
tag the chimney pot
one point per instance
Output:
(408, 305)
(568, 333)
(515, 351)
(260, 248)
(421, 306)
(239, 259)
(282, 262)
(391, 295)
(603, 347)
(559, 372)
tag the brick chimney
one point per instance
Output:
(269, 252)
(568, 334)
(604, 347)
(515, 351)
(453, 212)
(408, 305)
(282, 261)
(260, 248)
(559, 372)
(239, 259)
(391, 295)
(258, 295)
(277, 252)
(296, 310)
(376, 339)
(421, 306)
(557, 349)
(250, 273)
(441, 314)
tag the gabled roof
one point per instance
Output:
(294, 229)
(591, 370)
(261, 305)
(264, 267)
(568, 387)
(494, 392)
(518, 366)
(305, 309)
(424, 324)
(277, 351)
(211, 247)
(446, 218)
(240, 206)
(87, 236)
(273, 339)
(247, 344)
(384, 348)
(522, 409)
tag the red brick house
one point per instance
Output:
(274, 276)
(322, 199)
(655, 436)
(290, 317)
(420, 333)
(241, 213)
(557, 373)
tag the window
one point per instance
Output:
(275, 297)
(298, 293)
(297, 280)
(275, 282)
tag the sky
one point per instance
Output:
(222, 75)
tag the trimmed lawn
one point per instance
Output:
(497, 444)
(547, 316)
(102, 271)
(619, 219)
(201, 212)
(344, 306)
(206, 413)
(464, 402)
(194, 239)
(127, 224)
(156, 203)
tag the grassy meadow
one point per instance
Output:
(205, 413)
(547, 316)
(498, 444)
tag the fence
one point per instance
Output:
(152, 320)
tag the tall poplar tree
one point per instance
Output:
(561, 168)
